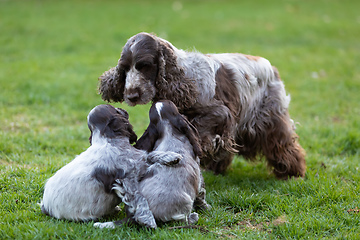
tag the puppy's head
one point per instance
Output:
(110, 122)
(166, 113)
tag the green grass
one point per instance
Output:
(52, 52)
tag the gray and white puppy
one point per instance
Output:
(80, 190)
(172, 186)
(172, 190)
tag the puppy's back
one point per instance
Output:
(170, 191)
(74, 195)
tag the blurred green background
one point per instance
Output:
(52, 52)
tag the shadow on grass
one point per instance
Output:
(246, 187)
(242, 174)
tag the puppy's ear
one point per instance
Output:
(147, 140)
(111, 128)
(90, 139)
(132, 134)
(112, 84)
(186, 128)
(118, 126)
(123, 112)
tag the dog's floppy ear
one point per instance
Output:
(119, 126)
(147, 140)
(194, 138)
(171, 82)
(112, 84)
(133, 136)
(90, 138)
(186, 128)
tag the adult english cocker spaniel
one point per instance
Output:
(237, 102)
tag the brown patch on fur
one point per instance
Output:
(216, 123)
(282, 151)
(112, 84)
(270, 134)
(171, 83)
(246, 76)
(226, 90)
(253, 58)
(276, 73)
(278, 144)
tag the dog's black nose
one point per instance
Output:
(133, 97)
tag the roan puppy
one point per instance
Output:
(80, 190)
(171, 191)
(172, 186)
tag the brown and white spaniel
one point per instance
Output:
(237, 102)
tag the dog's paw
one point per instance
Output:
(118, 188)
(149, 223)
(193, 218)
(104, 225)
(145, 218)
(117, 209)
(218, 143)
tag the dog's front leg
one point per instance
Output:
(216, 126)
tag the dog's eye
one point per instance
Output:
(124, 67)
(142, 65)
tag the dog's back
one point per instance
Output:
(171, 190)
(74, 195)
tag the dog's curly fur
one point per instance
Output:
(237, 102)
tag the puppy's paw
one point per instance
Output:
(193, 218)
(104, 225)
(117, 209)
(145, 218)
(118, 188)
(148, 222)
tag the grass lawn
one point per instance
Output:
(52, 52)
